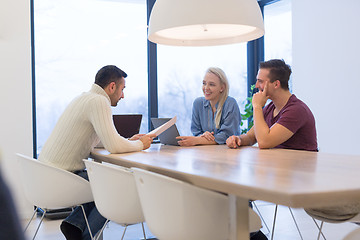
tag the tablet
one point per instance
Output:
(168, 137)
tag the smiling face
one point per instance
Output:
(261, 78)
(212, 87)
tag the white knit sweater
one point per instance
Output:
(86, 121)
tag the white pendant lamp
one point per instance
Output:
(205, 22)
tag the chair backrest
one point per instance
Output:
(50, 187)
(177, 210)
(115, 192)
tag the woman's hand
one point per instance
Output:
(209, 136)
(187, 141)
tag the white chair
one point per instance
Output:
(48, 187)
(115, 194)
(175, 210)
(355, 219)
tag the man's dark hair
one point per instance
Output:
(279, 70)
(108, 74)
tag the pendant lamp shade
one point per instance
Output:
(205, 22)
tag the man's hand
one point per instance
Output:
(186, 141)
(147, 140)
(233, 141)
(209, 136)
(259, 99)
(136, 137)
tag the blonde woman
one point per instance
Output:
(216, 116)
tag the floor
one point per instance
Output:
(285, 229)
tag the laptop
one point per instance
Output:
(127, 125)
(168, 137)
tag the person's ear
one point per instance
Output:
(112, 87)
(222, 88)
(277, 83)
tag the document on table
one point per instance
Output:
(157, 131)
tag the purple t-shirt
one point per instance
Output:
(298, 118)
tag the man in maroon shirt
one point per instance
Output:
(286, 122)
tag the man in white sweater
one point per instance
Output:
(86, 121)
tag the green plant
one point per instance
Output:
(247, 116)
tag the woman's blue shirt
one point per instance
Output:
(203, 119)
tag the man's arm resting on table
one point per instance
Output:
(269, 137)
(248, 139)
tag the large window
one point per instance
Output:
(181, 71)
(73, 40)
(278, 31)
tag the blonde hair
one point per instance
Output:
(223, 96)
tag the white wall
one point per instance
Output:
(326, 56)
(15, 97)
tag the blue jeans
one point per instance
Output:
(76, 218)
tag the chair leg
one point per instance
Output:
(293, 217)
(31, 219)
(273, 228)
(37, 229)
(87, 222)
(142, 225)
(295, 223)
(319, 228)
(102, 229)
(262, 219)
(124, 232)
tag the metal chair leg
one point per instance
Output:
(87, 222)
(124, 232)
(142, 225)
(273, 228)
(319, 228)
(37, 229)
(31, 219)
(293, 217)
(262, 219)
(295, 223)
(102, 229)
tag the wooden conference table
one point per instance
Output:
(286, 177)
